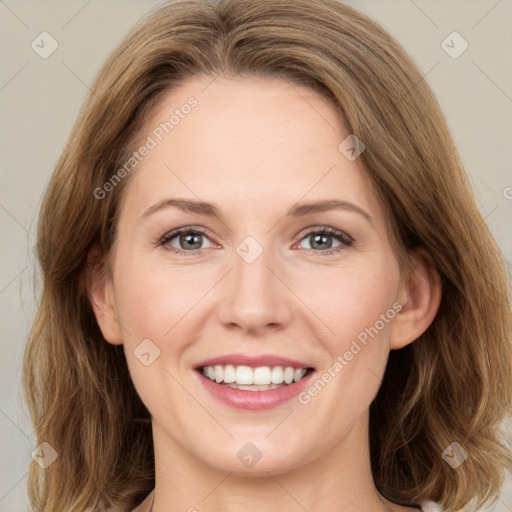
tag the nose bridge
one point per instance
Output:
(255, 297)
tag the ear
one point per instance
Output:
(101, 296)
(420, 296)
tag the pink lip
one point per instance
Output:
(254, 400)
(253, 361)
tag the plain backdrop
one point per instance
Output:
(40, 97)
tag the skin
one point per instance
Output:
(255, 147)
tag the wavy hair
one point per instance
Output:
(452, 384)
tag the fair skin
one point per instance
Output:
(256, 147)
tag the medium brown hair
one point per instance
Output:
(452, 384)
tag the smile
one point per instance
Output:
(253, 382)
(261, 378)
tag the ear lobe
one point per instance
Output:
(101, 297)
(420, 297)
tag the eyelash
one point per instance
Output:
(343, 238)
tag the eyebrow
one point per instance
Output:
(298, 210)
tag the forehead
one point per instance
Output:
(246, 142)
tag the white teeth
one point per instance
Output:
(254, 379)
(243, 375)
(229, 374)
(299, 373)
(288, 375)
(261, 375)
(254, 388)
(277, 375)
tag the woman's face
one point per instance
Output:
(257, 287)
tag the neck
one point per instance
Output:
(339, 480)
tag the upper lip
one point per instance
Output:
(252, 361)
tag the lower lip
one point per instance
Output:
(254, 400)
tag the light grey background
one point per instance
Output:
(39, 100)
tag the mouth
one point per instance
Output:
(260, 378)
(254, 383)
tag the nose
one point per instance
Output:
(255, 296)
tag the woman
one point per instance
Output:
(266, 281)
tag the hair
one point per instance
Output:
(452, 384)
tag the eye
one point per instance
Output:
(187, 240)
(322, 239)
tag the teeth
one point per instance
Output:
(229, 374)
(277, 375)
(253, 379)
(244, 375)
(254, 388)
(299, 373)
(288, 375)
(219, 373)
(261, 375)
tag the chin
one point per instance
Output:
(252, 459)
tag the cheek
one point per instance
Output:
(358, 308)
(354, 301)
(150, 301)
(152, 305)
